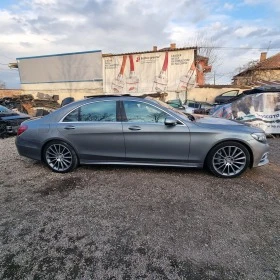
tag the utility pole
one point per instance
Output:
(214, 78)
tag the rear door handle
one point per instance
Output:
(134, 128)
(69, 127)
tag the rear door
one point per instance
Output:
(95, 131)
(148, 139)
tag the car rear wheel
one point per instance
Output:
(228, 159)
(60, 157)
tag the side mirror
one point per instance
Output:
(170, 121)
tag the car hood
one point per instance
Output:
(220, 121)
(211, 122)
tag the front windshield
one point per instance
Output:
(182, 113)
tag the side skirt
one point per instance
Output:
(194, 165)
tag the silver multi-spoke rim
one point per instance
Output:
(229, 160)
(59, 157)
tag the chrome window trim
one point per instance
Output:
(91, 122)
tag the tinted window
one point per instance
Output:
(193, 105)
(104, 111)
(230, 93)
(143, 112)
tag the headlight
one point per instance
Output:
(259, 137)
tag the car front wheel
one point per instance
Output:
(228, 159)
(60, 157)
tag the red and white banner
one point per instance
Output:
(149, 72)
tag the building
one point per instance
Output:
(266, 71)
(69, 74)
(169, 70)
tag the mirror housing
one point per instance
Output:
(170, 121)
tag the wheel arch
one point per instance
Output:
(237, 141)
(57, 139)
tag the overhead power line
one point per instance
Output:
(237, 48)
(6, 56)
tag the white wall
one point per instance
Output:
(74, 89)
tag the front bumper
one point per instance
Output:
(264, 160)
(260, 153)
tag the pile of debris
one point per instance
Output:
(27, 104)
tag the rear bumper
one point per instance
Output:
(12, 129)
(28, 149)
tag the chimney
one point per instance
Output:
(173, 46)
(154, 48)
(263, 56)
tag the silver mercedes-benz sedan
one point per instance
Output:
(140, 131)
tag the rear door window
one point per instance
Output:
(101, 111)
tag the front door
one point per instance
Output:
(148, 139)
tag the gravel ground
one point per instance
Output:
(137, 223)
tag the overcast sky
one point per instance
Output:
(40, 27)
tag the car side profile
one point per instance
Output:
(139, 131)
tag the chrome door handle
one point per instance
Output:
(69, 127)
(134, 128)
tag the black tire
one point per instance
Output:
(228, 159)
(60, 157)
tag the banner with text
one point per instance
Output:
(260, 110)
(149, 72)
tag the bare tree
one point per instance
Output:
(249, 65)
(207, 47)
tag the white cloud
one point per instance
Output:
(228, 6)
(245, 31)
(44, 2)
(38, 27)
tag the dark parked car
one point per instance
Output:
(197, 107)
(226, 96)
(139, 131)
(10, 120)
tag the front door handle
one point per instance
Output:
(134, 128)
(69, 127)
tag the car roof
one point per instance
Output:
(58, 114)
(107, 95)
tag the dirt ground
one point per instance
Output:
(137, 222)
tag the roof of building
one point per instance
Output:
(151, 51)
(271, 63)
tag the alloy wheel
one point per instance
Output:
(229, 161)
(59, 157)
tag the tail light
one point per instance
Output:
(21, 129)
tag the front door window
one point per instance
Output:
(143, 113)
